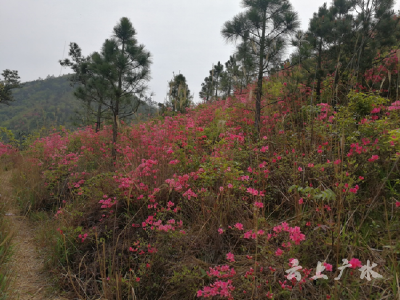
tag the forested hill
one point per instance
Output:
(40, 103)
(46, 103)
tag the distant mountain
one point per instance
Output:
(40, 103)
(46, 103)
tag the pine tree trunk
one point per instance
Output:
(115, 131)
(98, 118)
(116, 112)
(319, 70)
(216, 87)
(260, 78)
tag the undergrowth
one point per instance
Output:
(6, 234)
(201, 206)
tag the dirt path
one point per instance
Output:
(31, 281)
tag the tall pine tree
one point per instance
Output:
(116, 77)
(265, 24)
(10, 81)
(179, 97)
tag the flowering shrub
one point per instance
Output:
(6, 150)
(200, 191)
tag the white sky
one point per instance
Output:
(181, 35)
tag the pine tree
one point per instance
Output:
(116, 76)
(376, 27)
(320, 37)
(179, 97)
(10, 81)
(265, 25)
(90, 88)
(247, 62)
(229, 77)
(207, 88)
(216, 73)
(349, 34)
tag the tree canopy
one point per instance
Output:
(179, 97)
(115, 78)
(265, 25)
(10, 81)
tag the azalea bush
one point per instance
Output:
(199, 205)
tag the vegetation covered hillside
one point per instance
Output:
(50, 102)
(40, 103)
(199, 205)
(284, 184)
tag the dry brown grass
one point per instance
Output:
(29, 281)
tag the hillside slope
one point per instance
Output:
(199, 204)
(40, 103)
(46, 103)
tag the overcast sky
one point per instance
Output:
(182, 35)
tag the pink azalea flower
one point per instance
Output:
(239, 226)
(355, 263)
(373, 158)
(230, 257)
(252, 191)
(375, 110)
(278, 252)
(336, 162)
(258, 204)
(247, 234)
(328, 267)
